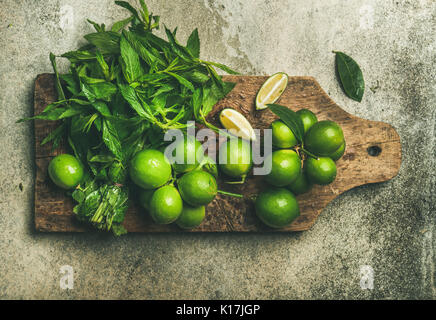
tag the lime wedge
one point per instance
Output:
(271, 90)
(237, 124)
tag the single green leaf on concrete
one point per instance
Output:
(350, 75)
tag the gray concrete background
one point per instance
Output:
(389, 226)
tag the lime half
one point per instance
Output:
(237, 124)
(271, 90)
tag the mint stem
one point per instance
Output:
(237, 195)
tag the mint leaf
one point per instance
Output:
(197, 99)
(60, 91)
(110, 138)
(107, 42)
(223, 67)
(193, 44)
(131, 67)
(130, 96)
(127, 6)
(182, 81)
(119, 25)
(79, 56)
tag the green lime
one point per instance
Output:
(191, 217)
(198, 187)
(277, 207)
(282, 136)
(235, 157)
(338, 153)
(65, 171)
(324, 138)
(187, 155)
(149, 169)
(285, 167)
(166, 205)
(308, 118)
(301, 184)
(145, 198)
(320, 171)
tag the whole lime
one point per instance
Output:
(145, 198)
(65, 171)
(301, 184)
(197, 187)
(282, 136)
(285, 167)
(324, 138)
(187, 155)
(149, 169)
(191, 217)
(320, 171)
(308, 118)
(338, 153)
(235, 158)
(166, 205)
(277, 207)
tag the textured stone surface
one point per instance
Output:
(389, 226)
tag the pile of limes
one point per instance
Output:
(174, 192)
(296, 168)
(179, 192)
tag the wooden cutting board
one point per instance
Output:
(373, 155)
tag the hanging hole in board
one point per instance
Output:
(374, 151)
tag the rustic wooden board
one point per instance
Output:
(53, 210)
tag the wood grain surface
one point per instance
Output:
(53, 209)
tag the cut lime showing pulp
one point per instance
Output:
(237, 124)
(271, 90)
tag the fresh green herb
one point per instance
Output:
(124, 89)
(350, 75)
